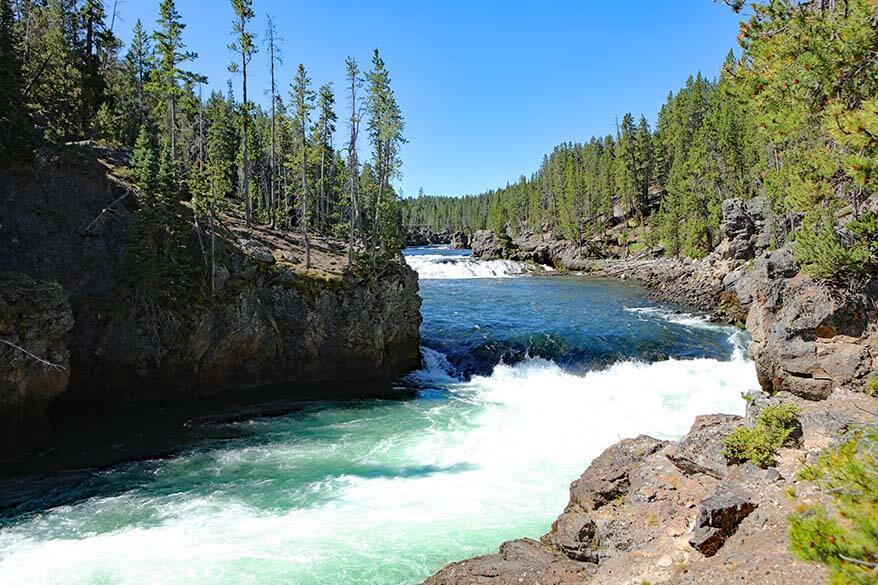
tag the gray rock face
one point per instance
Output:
(808, 337)
(276, 326)
(702, 449)
(719, 517)
(459, 241)
(738, 227)
(268, 322)
(487, 243)
(606, 479)
(35, 320)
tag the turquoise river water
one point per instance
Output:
(525, 379)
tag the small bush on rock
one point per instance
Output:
(845, 538)
(758, 444)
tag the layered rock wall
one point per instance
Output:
(269, 320)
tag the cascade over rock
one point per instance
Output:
(809, 336)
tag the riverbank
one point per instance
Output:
(650, 511)
(248, 315)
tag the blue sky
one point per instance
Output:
(486, 87)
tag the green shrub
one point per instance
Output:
(824, 255)
(872, 386)
(758, 444)
(844, 539)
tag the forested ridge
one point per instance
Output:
(793, 119)
(66, 81)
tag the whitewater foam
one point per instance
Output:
(380, 495)
(430, 266)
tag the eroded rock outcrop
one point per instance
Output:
(265, 320)
(809, 337)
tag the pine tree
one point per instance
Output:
(49, 64)
(386, 126)
(324, 130)
(98, 39)
(354, 82)
(303, 98)
(15, 128)
(274, 59)
(811, 89)
(245, 48)
(140, 62)
(172, 54)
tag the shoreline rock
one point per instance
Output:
(266, 320)
(679, 512)
(639, 513)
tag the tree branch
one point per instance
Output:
(106, 209)
(858, 561)
(46, 363)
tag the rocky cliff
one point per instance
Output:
(266, 320)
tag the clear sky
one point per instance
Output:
(486, 87)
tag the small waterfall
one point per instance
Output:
(436, 267)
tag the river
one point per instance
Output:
(526, 378)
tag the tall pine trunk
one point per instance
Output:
(245, 181)
(304, 221)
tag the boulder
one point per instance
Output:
(606, 479)
(519, 561)
(255, 250)
(719, 517)
(702, 449)
(749, 474)
(574, 534)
